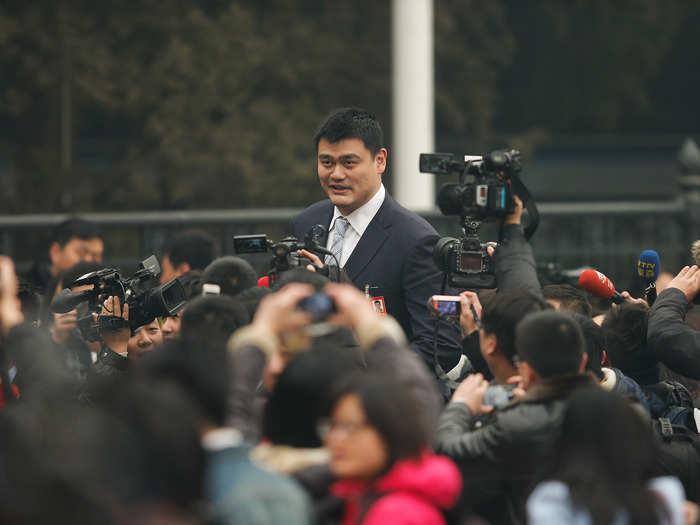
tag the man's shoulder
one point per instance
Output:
(531, 416)
(317, 213)
(322, 206)
(405, 219)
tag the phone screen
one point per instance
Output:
(445, 305)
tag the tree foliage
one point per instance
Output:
(212, 103)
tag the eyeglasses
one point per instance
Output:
(344, 429)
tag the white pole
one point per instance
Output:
(413, 101)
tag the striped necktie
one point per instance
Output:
(341, 225)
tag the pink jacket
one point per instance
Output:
(414, 491)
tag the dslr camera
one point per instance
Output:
(484, 192)
(147, 299)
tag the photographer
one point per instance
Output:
(279, 326)
(514, 258)
(673, 342)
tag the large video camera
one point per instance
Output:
(145, 297)
(284, 256)
(484, 192)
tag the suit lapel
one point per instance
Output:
(370, 243)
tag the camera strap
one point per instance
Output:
(521, 191)
(111, 323)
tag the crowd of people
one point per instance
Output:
(343, 400)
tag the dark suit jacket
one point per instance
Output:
(395, 256)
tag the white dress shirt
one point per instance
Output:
(359, 220)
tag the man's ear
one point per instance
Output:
(54, 252)
(380, 160)
(584, 361)
(529, 374)
(183, 267)
(605, 361)
(490, 344)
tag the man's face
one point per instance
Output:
(94, 248)
(167, 270)
(349, 173)
(145, 340)
(66, 256)
(171, 327)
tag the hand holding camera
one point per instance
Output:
(278, 312)
(117, 340)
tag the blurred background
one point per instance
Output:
(151, 116)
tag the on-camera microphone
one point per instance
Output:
(65, 300)
(598, 285)
(648, 268)
(312, 240)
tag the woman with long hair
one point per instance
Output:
(602, 470)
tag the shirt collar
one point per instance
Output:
(362, 216)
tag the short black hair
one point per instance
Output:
(74, 228)
(625, 330)
(213, 318)
(502, 312)
(250, 298)
(192, 283)
(390, 407)
(301, 275)
(572, 299)
(551, 343)
(231, 273)
(203, 374)
(351, 123)
(595, 342)
(299, 396)
(195, 247)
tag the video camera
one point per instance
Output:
(145, 297)
(284, 256)
(485, 191)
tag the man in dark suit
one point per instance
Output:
(384, 248)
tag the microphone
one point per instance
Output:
(599, 286)
(312, 240)
(312, 244)
(65, 300)
(264, 282)
(648, 268)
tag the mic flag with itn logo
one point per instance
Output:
(648, 266)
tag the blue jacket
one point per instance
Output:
(239, 492)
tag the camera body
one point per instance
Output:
(466, 262)
(147, 299)
(284, 256)
(483, 193)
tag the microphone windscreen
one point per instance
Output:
(648, 266)
(65, 300)
(695, 251)
(264, 281)
(596, 284)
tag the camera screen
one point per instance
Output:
(448, 308)
(250, 244)
(470, 262)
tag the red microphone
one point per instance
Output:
(264, 281)
(598, 285)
